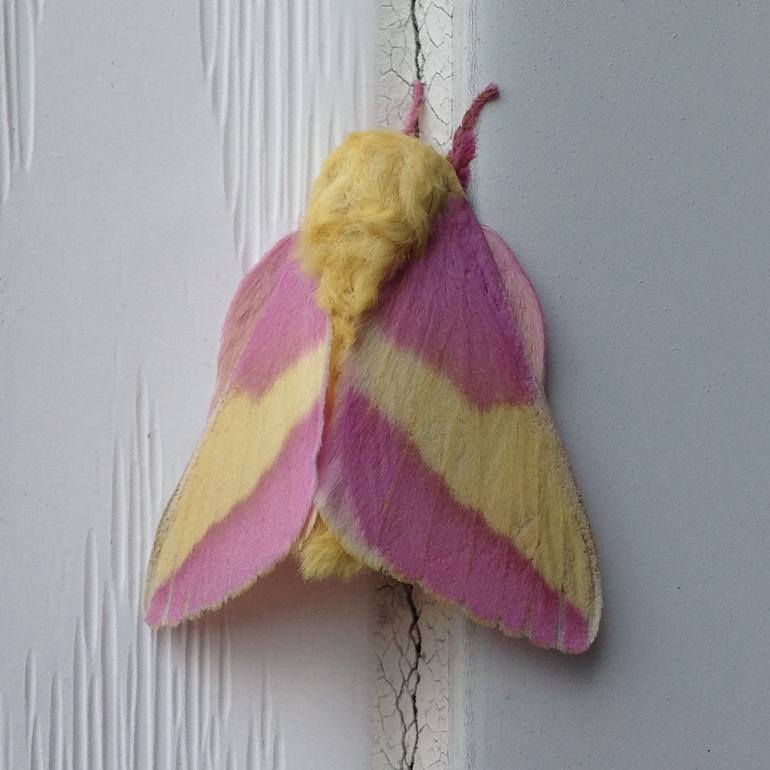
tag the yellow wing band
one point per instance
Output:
(505, 462)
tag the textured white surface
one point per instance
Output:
(287, 81)
(18, 22)
(402, 58)
(122, 236)
(628, 164)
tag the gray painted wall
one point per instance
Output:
(628, 164)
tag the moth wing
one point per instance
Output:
(442, 465)
(246, 306)
(522, 300)
(246, 493)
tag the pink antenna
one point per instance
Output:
(464, 141)
(411, 124)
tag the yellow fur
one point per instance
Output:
(322, 556)
(371, 209)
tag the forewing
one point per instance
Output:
(246, 493)
(442, 465)
(522, 301)
(247, 304)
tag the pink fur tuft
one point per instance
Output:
(413, 118)
(464, 142)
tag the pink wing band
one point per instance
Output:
(434, 327)
(247, 304)
(290, 325)
(421, 532)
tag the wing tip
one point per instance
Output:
(154, 622)
(158, 612)
(156, 607)
(579, 633)
(164, 607)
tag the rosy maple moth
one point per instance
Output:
(380, 404)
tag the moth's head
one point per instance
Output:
(370, 209)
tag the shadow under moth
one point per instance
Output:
(379, 404)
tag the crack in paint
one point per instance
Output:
(417, 45)
(415, 637)
(399, 684)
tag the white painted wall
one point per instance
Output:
(628, 164)
(148, 152)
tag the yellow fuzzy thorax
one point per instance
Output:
(371, 209)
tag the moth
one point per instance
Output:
(380, 404)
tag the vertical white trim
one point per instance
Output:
(139, 215)
(436, 684)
